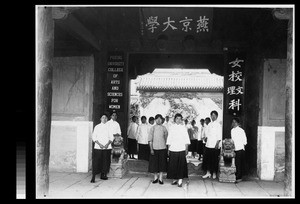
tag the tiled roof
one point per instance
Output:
(180, 81)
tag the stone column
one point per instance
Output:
(289, 112)
(287, 14)
(45, 48)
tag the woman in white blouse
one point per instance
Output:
(102, 137)
(142, 139)
(212, 146)
(239, 138)
(178, 142)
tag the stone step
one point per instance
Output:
(141, 166)
(134, 165)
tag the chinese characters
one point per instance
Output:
(154, 23)
(235, 88)
(235, 76)
(202, 24)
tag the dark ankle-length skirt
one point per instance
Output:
(211, 160)
(132, 146)
(144, 152)
(200, 147)
(101, 161)
(240, 163)
(193, 146)
(177, 167)
(158, 162)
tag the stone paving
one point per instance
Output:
(138, 185)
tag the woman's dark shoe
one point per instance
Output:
(160, 182)
(155, 181)
(103, 177)
(174, 182)
(93, 179)
(180, 185)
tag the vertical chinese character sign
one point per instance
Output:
(115, 80)
(234, 90)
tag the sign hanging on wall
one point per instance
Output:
(115, 80)
(235, 80)
(177, 22)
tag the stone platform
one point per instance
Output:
(141, 166)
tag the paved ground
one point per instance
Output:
(138, 185)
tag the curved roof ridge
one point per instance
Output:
(182, 80)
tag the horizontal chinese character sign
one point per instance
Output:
(234, 85)
(177, 22)
(115, 80)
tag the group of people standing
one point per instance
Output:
(103, 136)
(166, 145)
(168, 149)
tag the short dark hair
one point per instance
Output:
(107, 113)
(158, 116)
(177, 115)
(193, 122)
(133, 118)
(208, 119)
(104, 114)
(214, 112)
(143, 117)
(151, 119)
(202, 120)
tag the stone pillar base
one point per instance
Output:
(117, 170)
(195, 168)
(227, 174)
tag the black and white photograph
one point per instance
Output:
(183, 101)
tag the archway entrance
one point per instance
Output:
(194, 93)
(167, 98)
(140, 64)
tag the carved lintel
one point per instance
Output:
(283, 13)
(61, 12)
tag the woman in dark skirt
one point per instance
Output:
(131, 137)
(132, 147)
(193, 134)
(102, 139)
(204, 139)
(212, 151)
(158, 150)
(178, 142)
(142, 139)
(200, 145)
(143, 152)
